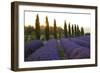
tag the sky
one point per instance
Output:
(83, 20)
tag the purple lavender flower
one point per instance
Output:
(81, 42)
(32, 46)
(84, 38)
(47, 52)
(51, 42)
(73, 50)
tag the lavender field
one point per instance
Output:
(47, 39)
(53, 49)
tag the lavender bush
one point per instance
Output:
(47, 52)
(32, 46)
(73, 50)
(53, 49)
(84, 38)
(81, 42)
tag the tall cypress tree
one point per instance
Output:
(37, 27)
(69, 30)
(55, 29)
(82, 31)
(47, 29)
(65, 30)
(78, 31)
(73, 33)
(75, 30)
(60, 32)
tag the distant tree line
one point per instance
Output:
(69, 30)
(73, 31)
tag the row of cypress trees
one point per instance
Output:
(73, 31)
(69, 31)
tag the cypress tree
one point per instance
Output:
(78, 31)
(73, 33)
(75, 30)
(55, 29)
(69, 30)
(37, 27)
(47, 29)
(82, 31)
(65, 30)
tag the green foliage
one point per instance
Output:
(73, 32)
(37, 27)
(82, 31)
(28, 30)
(47, 29)
(55, 29)
(29, 33)
(60, 32)
(69, 30)
(65, 30)
(42, 37)
(62, 54)
(87, 34)
(78, 31)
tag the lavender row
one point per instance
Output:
(81, 42)
(47, 52)
(74, 51)
(31, 47)
(73, 48)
